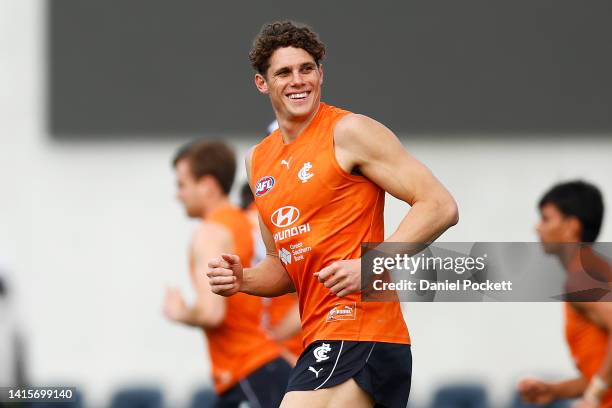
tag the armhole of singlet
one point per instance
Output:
(331, 151)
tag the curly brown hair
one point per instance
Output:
(284, 34)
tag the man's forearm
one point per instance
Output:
(266, 279)
(289, 326)
(425, 222)
(196, 317)
(573, 388)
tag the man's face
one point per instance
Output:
(555, 228)
(293, 82)
(189, 190)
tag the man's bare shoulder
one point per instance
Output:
(599, 313)
(209, 231)
(353, 122)
(356, 128)
(359, 139)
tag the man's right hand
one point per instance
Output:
(535, 391)
(225, 274)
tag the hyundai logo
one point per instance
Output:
(285, 216)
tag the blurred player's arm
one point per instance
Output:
(267, 279)
(288, 326)
(600, 313)
(208, 311)
(536, 391)
(590, 392)
(366, 147)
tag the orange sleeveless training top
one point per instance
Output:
(318, 214)
(239, 345)
(588, 345)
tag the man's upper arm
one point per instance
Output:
(268, 240)
(210, 241)
(272, 256)
(363, 143)
(600, 313)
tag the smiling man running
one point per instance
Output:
(319, 183)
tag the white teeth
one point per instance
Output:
(298, 96)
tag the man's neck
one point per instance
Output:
(214, 204)
(292, 128)
(570, 257)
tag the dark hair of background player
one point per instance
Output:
(581, 200)
(212, 158)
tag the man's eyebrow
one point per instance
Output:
(286, 69)
(281, 70)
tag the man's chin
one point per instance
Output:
(192, 213)
(551, 248)
(300, 115)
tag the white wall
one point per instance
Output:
(94, 234)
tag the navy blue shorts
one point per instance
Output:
(263, 388)
(383, 370)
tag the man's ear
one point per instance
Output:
(574, 227)
(261, 84)
(321, 71)
(205, 183)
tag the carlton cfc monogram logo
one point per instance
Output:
(285, 216)
(320, 353)
(264, 185)
(305, 173)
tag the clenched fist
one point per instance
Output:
(225, 274)
(341, 277)
(536, 391)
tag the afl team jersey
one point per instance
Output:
(588, 345)
(318, 213)
(239, 345)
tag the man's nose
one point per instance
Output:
(297, 79)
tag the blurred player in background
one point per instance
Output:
(320, 183)
(246, 364)
(572, 213)
(281, 315)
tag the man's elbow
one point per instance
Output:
(449, 211)
(216, 319)
(211, 319)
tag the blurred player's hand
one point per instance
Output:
(341, 277)
(225, 274)
(175, 307)
(582, 403)
(536, 391)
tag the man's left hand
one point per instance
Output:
(341, 277)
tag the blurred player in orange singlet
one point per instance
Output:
(245, 363)
(319, 183)
(572, 213)
(281, 315)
